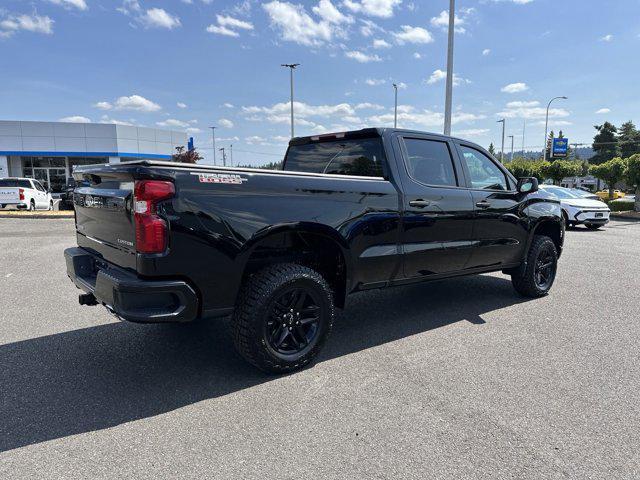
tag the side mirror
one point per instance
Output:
(527, 185)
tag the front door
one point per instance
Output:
(498, 228)
(438, 211)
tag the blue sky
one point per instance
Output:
(189, 64)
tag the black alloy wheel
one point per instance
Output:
(545, 269)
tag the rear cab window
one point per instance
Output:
(349, 156)
(430, 162)
(14, 182)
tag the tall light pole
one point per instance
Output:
(395, 110)
(291, 67)
(524, 126)
(546, 126)
(502, 148)
(511, 158)
(213, 140)
(231, 154)
(449, 91)
(224, 157)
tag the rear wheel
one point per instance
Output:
(32, 205)
(283, 317)
(536, 277)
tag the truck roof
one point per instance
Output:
(363, 133)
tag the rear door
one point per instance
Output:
(498, 230)
(437, 217)
(39, 194)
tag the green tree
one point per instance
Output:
(628, 139)
(549, 143)
(492, 149)
(560, 169)
(605, 143)
(632, 177)
(521, 167)
(611, 172)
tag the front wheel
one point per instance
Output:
(51, 205)
(283, 317)
(536, 277)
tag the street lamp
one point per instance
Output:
(395, 110)
(546, 126)
(213, 140)
(291, 67)
(449, 80)
(502, 148)
(511, 158)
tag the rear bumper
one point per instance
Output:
(13, 206)
(126, 295)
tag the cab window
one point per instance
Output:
(483, 172)
(430, 162)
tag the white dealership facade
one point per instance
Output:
(49, 151)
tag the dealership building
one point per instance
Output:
(49, 151)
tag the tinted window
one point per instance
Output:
(38, 186)
(429, 162)
(362, 157)
(13, 182)
(484, 173)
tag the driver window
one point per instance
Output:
(484, 173)
(38, 186)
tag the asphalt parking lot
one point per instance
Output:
(456, 379)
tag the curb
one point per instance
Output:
(37, 216)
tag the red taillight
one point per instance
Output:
(21, 193)
(151, 230)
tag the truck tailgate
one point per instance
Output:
(9, 195)
(104, 217)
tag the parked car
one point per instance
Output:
(24, 194)
(578, 210)
(279, 250)
(604, 194)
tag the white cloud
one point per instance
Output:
(107, 119)
(296, 25)
(362, 57)
(281, 139)
(531, 110)
(368, 106)
(374, 82)
(555, 123)
(30, 23)
(411, 34)
(606, 38)
(368, 28)
(603, 110)
(515, 87)
(424, 119)
(401, 85)
(75, 119)
(373, 8)
(172, 123)
(79, 4)
(326, 10)
(222, 31)
(486, 52)
(417, 56)
(442, 20)
(302, 110)
(228, 105)
(252, 140)
(229, 26)
(380, 43)
(159, 18)
(133, 102)
(471, 132)
(181, 105)
(226, 123)
(193, 130)
(440, 75)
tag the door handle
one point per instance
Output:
(419, 203)
(483, 204)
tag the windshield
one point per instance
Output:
(582, 193)
(563, 193)
(362, 157)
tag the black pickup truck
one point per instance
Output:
(279, 250)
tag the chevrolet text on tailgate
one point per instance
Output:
(279, 250)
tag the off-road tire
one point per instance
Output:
(252, 312)
(524, 278)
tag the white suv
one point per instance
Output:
(24, 194)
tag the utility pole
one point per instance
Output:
(213, 139)
(224, 157)
(395, 110)
(231, 153)
(546, 126)
(524, 126)
(502, 148)
(449, 88)
(511, 137)
(291, 67)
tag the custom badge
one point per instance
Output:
(228, 178)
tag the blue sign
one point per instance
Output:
(190, 144)
(560, 147)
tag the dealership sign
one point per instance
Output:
(560, 147)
